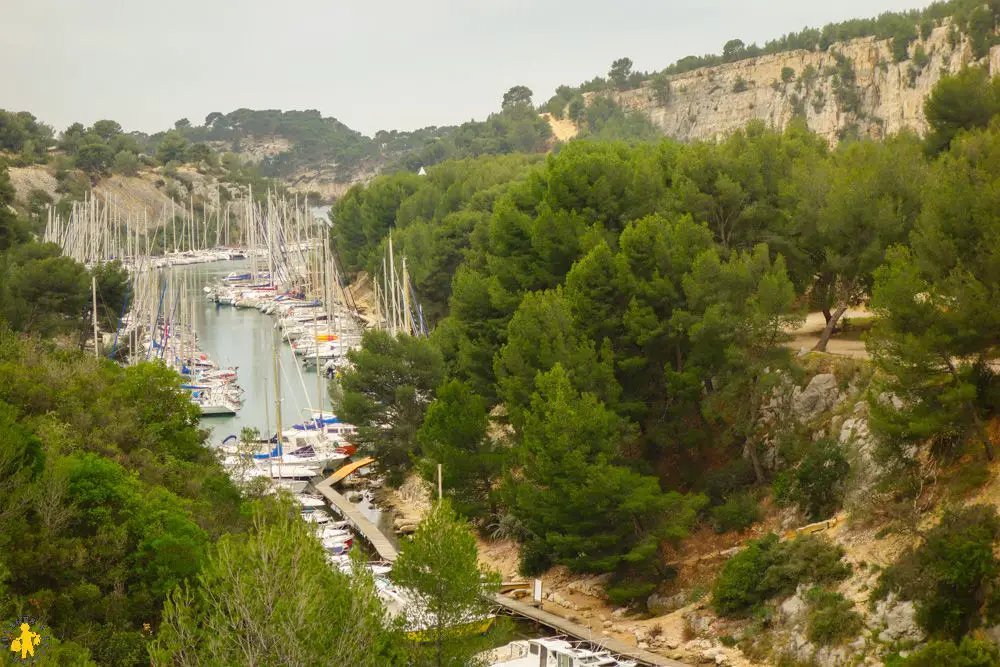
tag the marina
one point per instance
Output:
(256, 332)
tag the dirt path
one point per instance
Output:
(563, 129)
(806, 336)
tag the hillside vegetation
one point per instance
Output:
(623, 311)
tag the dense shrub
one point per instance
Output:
(738, 512)
(769, 568)
(727, 480)
(901, 44)
(970, 653)
(952, 576)
(740, 85)
(817, 483)
(819, 479)
(832, 619)
(787, 74)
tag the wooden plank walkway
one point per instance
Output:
(366, 528)
(387, 552)
(582, 632)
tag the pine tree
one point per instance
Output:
(438, 566)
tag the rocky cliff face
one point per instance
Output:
(714, 101)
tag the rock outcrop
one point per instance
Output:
(820, 395)
(714, 101)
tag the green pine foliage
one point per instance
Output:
(269, 596)
(109, 498)
(969, 653)
(768, 568)
(953, 574)
(831, 619)
(737, 513)
(438, 566)
(385, 394)
(455, 435)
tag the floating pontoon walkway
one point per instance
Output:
(559, 623)
(387, 552)
(369, 531)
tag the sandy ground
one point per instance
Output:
(563, 129)
(806, 336)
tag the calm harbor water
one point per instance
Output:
(244, 339)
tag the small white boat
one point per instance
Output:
(552, 652)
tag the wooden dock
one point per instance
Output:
(387, 552)
(578, 631)
(369, 531)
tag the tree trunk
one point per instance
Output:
(758, 471)
(828, 330)
(826, 314)
(984, 434)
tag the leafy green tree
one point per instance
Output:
(734, 186)
(740, 314)
(901, 42)
(125, 163)
(70, 139)
(93, 155)
(629, 298)
(542, 334)
(199, 153)
(20, 132)
(43, 292)
(440, 570)
(107, 129)
(386, 393)
(107, 466)
(982, 30)
(270, 597)
(113, 291)
(517, 95)
(455, 435)
(851, 209)
(926, 28)
(734, 50)
(172, 147)
(768, 567)
(620, 72)
(577, 506)
(787, 74)
(660, 85)
(932, 338)
(212, 117)
(13, 230)
(182, 124)
(963, 101)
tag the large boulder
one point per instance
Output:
(820, 395)
(659, 604)
(793, 610)
(897, 620)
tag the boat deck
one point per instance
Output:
(582, 632)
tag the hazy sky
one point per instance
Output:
(373, 65)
